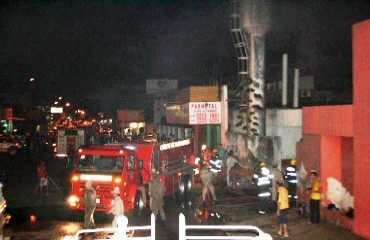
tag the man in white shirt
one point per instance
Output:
(117, 207)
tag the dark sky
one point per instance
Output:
(77, 48)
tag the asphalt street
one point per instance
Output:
(54, 221)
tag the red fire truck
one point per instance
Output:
(127, 166)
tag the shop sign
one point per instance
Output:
(204, 113)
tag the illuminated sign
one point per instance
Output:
(56, 110)
(204, 113)
(171, 145)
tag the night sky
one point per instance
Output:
(77, 49)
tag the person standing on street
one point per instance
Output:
(117, 207)
(277, 176)
(291, 177)
(156, 194)
(282, 209)
(89, 201)
(43, 179)
(262, 179)
(315, 197)
(207, 179)
(235, 176)
(230, 162)
(215, 164)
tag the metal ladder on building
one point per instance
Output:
(240, 40)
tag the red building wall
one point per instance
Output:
(361, 121)
(336, 139)
(347, 163)
(331, 160)
(308, 154)
(328, 120)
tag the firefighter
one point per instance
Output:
(215, 163)
(291, 178)
(205, 153)
(262, 179)
(156, 193)
(207, 179)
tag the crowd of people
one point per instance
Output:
(276, 189)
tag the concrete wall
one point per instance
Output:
(286, 124)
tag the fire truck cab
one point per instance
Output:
(128, 165)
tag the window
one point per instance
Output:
(131, 162)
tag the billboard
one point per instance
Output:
(161, 86)
(204, 113)
(56, 110)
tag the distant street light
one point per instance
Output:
(32, 79)
(56, 102)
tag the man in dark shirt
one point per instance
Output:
(90, 205)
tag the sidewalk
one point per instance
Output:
(244, 211)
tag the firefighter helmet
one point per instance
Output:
(204, 147)
(293, 162)
(262, 164)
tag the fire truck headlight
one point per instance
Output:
(73, 201)
(117, 180)
(75, 178)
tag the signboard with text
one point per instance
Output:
(204, 113)
(161, 86)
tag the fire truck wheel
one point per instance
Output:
(188, 187)
(188, 183)
(138, 203)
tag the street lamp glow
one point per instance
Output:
(60, 98)
(56, 102)
(68, 104)
(32, 79)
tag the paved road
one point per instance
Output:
(54, 221)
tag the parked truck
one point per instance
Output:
(128, 165)
(68, 141)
